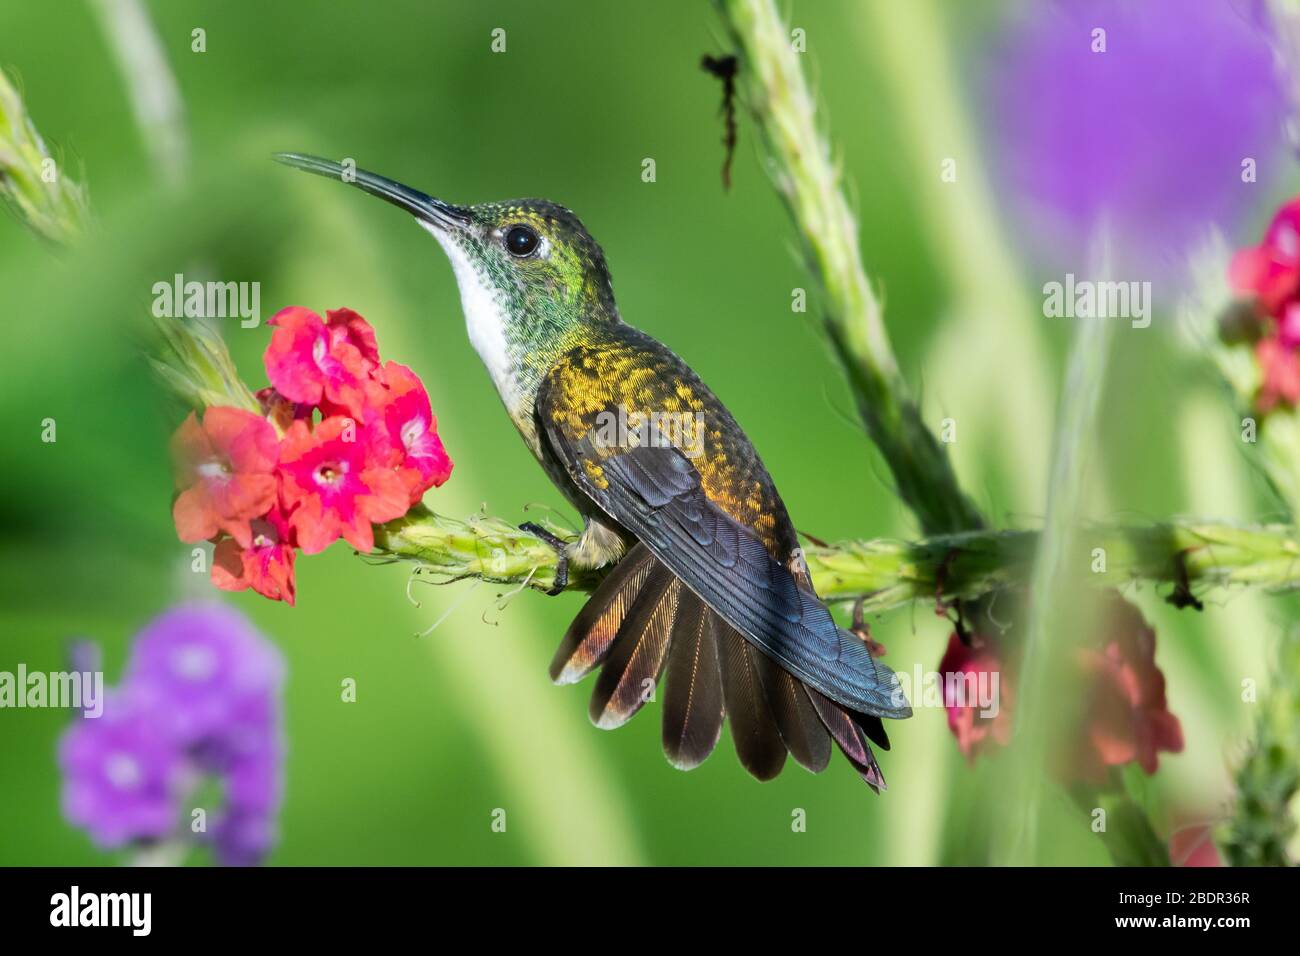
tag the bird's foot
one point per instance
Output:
(561, 551)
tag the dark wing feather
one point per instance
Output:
(656, 494)
(693, 710)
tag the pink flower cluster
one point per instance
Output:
(1126, 717)
(345, 442)
(1269, 274)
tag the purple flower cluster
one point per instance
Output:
(1139, 116)
(200, 697)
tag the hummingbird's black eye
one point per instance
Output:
(521, 241)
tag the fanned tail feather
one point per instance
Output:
(802, 730)
(642, 623)
(753, 726)
(850, 738)
(874, 728)
(693, 709)
(631, 671)
(587, 642)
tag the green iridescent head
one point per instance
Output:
(535, 255)
(532, 280)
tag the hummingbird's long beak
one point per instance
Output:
(425, 208)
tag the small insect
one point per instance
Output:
(725, 68)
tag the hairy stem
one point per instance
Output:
(32, 182)
(887, 573)
(807, 179)
(1262, 828)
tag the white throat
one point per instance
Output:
(484, 317)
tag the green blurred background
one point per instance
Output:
(449, 726)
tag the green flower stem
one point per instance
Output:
(192, 357)
(32, 183)
(809, 182)
(478, 547)
(193, 361)
(1263, 823)
(885, 573)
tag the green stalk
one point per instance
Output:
(32, 183)
(882, 573)
(193, 361)
(807, 179)
(887, 573)
(1263, 822)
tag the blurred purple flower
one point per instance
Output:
(200, 697)
(207, 665)
(1148, 136)
(122, 775)
(242, 837)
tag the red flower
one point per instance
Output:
(375, 453)
(225, 468)
(1270, 272)
(409, 430)
(1288, 326)
(335, 483)
(968, 674)
(1127, 718)
(266, 565)
(322, 362)
(1279, 367)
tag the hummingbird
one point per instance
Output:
(708, 590)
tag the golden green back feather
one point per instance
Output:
(634, 372)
